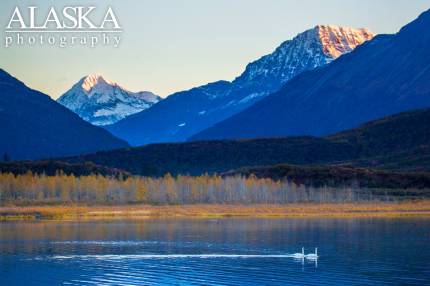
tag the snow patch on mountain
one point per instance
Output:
(101, 102)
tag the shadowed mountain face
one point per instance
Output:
(34, 126)
(183, 114)
(387, 75)
(400, 142)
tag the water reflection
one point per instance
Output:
(216, 252)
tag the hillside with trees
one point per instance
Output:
(398, 143)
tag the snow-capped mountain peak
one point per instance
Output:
(102, 102)
(308, 50)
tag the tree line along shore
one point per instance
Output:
(37, 189)
(96, 196)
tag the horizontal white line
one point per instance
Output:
(65, 31)
(167, 256)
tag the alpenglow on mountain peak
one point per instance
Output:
(308, 50)
(337, 40)
(92, 80)
(102, 102)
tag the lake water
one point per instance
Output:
(216, 252)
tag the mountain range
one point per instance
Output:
(186, 113)
(33, 126)
(289, 103)
(387, 75)
(101, 102)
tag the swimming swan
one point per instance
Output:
(300, 255)
(312, 256)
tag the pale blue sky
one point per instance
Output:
(173, 45)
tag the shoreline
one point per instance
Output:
(206, 211)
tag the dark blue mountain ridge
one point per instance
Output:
(387, 75)
(33, 126)
(185, 113)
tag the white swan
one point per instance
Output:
(312, 256)
(300, 255)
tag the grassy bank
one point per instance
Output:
(312, 210)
